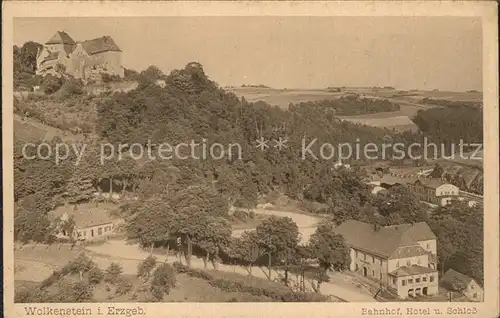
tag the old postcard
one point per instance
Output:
(305, 159)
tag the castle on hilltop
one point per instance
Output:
(85, 60)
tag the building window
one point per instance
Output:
(428, 246)
(475, 295)
(403, 282)
(410, 281)
(397, 264)
(364, 257)
(431, 278)
(408, 262)
(373, 273)
(417, 280)
(395, 281)
(373, 259)
(471, 286)
(424, 279)
(99, 231)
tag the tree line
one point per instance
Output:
(172, 193)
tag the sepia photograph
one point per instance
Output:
(251, 158)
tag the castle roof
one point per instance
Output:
(394, 241)
(60, 37)
(102, 44)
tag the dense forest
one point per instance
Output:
(170, 193)
(353, 104)
(449, 125)
(451, 103)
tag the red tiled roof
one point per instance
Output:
(385, 241)
(102, 44)
(411, 270)
(60, 37)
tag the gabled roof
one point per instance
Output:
(411, 270)
(455, 280)
(433, 183)
(60, 37)
(102, 44)
(386, 241)
(86, 215)
(51, 56)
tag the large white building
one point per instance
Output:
(402, 258)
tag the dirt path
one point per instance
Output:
(129, 256)
(306, 223)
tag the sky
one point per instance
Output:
(442, 53)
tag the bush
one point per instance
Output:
(71, 87)
(113, 273)
(145, 267)
(95, 276)
(251, 285)
(163, 281)
(123, 286)
(51, 84)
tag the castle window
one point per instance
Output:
(403, 282)
(417, 280)
(424, 279)
(410, 281)
(431, 278)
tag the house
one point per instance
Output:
(458, 282)
(400, 257)
(85, 60)
(434, 191)
(92, 221)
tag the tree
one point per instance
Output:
(113, 273)
(145, 267)
(244, 250)
(329, 249)
(82, 264)
(213, 236)
(399, 199)
(163, 281)
(32, 225)
(95, 276)
(277, 237)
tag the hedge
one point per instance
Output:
(251, 285)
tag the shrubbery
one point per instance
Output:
(251, 285)
(163, 281)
